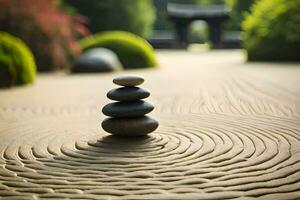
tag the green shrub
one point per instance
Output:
(133, 51)
(17, 64)
(272, 31)
(136, 16)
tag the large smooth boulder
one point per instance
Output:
(97, 60)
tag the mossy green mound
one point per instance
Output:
(132, 50)
(272, 31)
(17, 65)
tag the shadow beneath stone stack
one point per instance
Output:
(119, 144)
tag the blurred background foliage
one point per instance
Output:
(239, 8)
(134, 16)
(46, 28)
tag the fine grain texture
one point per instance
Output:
(228, 130)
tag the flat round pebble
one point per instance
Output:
(130, 126)
(128, 80)
(128, 94)
(127, 109)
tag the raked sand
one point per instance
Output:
(227, 130)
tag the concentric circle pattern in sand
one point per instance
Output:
(212, 143)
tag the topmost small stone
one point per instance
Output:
(129, 80)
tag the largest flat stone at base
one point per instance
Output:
(137, 126)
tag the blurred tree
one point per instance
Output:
(136, 16)
(239, 9)
(161, 22)
(48, 31)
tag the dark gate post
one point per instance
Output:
(215, 33)
(181, 27)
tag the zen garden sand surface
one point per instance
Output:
(227, 130)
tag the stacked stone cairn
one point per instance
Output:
(127, 116)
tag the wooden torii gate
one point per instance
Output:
(183, 14)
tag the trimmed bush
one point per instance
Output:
(132, 50)
(17, 64)
(272, 31)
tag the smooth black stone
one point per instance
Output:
(128, 94)
(127, 109)
(96, 60)
(136, 126)
(128, 80)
